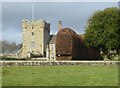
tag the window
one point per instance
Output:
(32, 27)
(32, 33)
(32, 45)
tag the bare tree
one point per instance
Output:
(5, 45)
(0, 47)
(12, 47)
(9, 47)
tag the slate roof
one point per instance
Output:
(53, 38)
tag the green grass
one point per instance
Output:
(60, 76)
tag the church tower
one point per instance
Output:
(36, 36)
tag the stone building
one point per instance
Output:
(36, 37)
(66, 45)
(52, 48)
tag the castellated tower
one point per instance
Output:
(36, 36)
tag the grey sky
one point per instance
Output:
(73, 15)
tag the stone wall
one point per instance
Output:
(46, 38)
(58, 63)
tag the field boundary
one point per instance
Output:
(59, 63)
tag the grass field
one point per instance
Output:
(60, 76)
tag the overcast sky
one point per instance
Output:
(73, 15)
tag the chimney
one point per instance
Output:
(59, 25)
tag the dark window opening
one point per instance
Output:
(32, 33)
(32, 27)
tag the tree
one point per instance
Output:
(12, 47)
(5, 45)
(9, 47)
(103, 30)
(0, 47)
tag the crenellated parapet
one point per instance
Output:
(35, 24)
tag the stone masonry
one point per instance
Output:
(36, 36)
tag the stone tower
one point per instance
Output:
(36, 36)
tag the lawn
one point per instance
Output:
(60, 76)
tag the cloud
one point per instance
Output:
(73, 15)
(12, 35)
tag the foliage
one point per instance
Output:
(103, 30)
